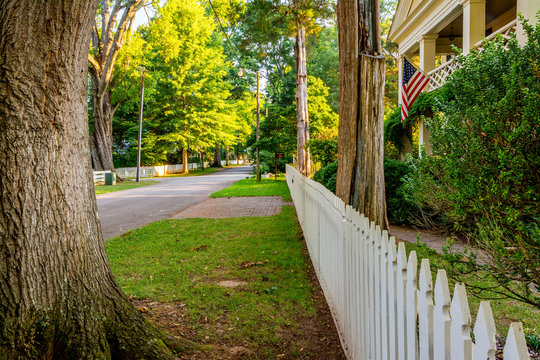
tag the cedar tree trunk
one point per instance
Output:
(360, 178)
(302, 116)
(58, 297)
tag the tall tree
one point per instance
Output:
(269, 21)
(58, 297)
(108, 36)
(360, 178)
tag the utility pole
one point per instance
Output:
(258, 134)
(138, 178)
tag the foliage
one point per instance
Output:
(399, 209)
(483, 176)
(324, 150)
(395, 130)
(327, 176)
(188, 98)
(323, 61)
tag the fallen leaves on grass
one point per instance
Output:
(250, 264)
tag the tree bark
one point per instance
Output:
(217, 157)
(360, 178)
(58, 296)
(185, 169)
(102, 136)
(226, 157)
(302, 116)
(202, 161)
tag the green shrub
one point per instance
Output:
(399, 209)
(483, 177)
(327, 176)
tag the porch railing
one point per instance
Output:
(440, 74)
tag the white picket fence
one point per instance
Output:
(382, 308)
(99, 177)
(161, 170)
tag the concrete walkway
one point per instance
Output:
(432, 239)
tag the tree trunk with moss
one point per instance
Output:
(58, 296)
(360, 177)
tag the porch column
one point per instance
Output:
(474, 23)
(528, 8)
(400, 77)
(427, 63)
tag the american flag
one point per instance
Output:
(414, 81)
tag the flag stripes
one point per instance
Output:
(414, 81)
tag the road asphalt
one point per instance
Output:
(121, 211)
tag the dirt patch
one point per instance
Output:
(231, 283)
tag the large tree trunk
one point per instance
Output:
(226, 157)
(102, 136)
(360, 178)
(185, 169)
(302, 116)
(58, 297)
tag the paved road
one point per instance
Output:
(129, 209)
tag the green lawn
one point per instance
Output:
(182, 262)
(125, 185)
(505, 311)
(250, 187)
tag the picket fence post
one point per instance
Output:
(441, 318)
(412, 343)
(425, 312)
(460, 330)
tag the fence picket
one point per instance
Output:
(515, 347)
(384, 297)
(372, 289)
(392, 290)
(377, 291)
(412, 342)
(401, 299)
(484, 334)
(460, 330)
(425, 312)
(441, 318)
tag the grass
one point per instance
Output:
(126, 185)
(250, 187)
(184, 260)
(505, 311)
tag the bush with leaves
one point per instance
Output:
(327, 176)
(483, 176)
